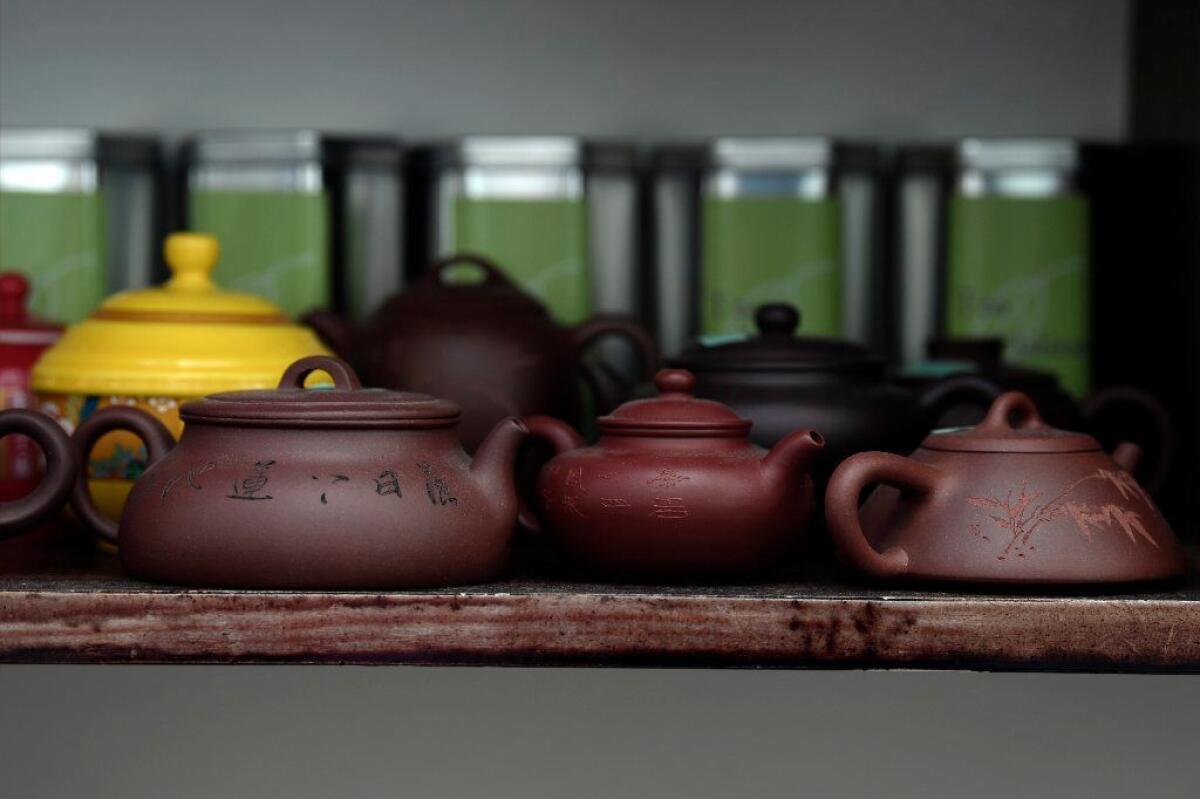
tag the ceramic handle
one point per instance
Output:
(1125, 400)
(937, 400)
(342, 373)
(492, 273)
(583, 335)
(151, 431)
(62, 465)
(562, 438)
(841, 506)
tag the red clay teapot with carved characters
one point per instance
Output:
(346, 488)
(673, 490)
(1011, 500)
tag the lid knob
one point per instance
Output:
(13, 290)
(1014, 411)
(777, 319)
(191, 257)
(675, 382)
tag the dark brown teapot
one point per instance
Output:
(1011, 500)
(489, 347)
(347, 488)
(674, 490)
(784, 382)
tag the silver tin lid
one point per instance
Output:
(1017, 167)
(77, 144)
(290, 146)
(535, 152)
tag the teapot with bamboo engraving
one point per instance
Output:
(1011, 500)
(673, 490)
(345, 488)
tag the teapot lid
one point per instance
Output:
(439, 293)
(777, 348)
(1012, 424)
(17, 325)
(185, 338)
(674, 412)
(347, 404)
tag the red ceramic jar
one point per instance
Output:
(23, 338)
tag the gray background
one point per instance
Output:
(879, 69)
(882, 70)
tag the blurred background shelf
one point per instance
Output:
(87, 612)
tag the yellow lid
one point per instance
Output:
(185, 338)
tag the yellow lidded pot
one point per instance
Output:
(156, 348)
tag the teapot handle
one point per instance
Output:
(1136, 401)
(344, 377)
(956, 390)
(600, 325)
(559, 435)
(842, 499)
(62, 464)
(492, 273)
(151, 431)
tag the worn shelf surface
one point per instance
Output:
(79, 608)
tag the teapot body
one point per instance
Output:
(671, 508)
(1025, 518)
(491, 366)
(854, 413)
(318, 509)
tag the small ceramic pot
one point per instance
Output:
(153, 349)
(489, 347)
(1011, 500)
(48, 497)
(346, 488)
(23, 338)
(673, 490)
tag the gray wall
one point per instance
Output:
(327, 732)
(886, 70)
(614, 67)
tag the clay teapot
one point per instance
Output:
(673, 490)
(783, 382)
(44, 501)
(1011, 500)
(346, 488)
(489, 347)
(1113, 414)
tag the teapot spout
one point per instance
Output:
(334, 331)
(793, 455)
(495, 461)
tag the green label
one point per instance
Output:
(1019, 269)
(771, 249)
(57, 240)
(275, 244)
(541, 244)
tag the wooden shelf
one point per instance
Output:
(81, 609)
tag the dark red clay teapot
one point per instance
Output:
(346, 488)
(27, 512)
(1011, 500)
(674, 490)
(488, 346)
